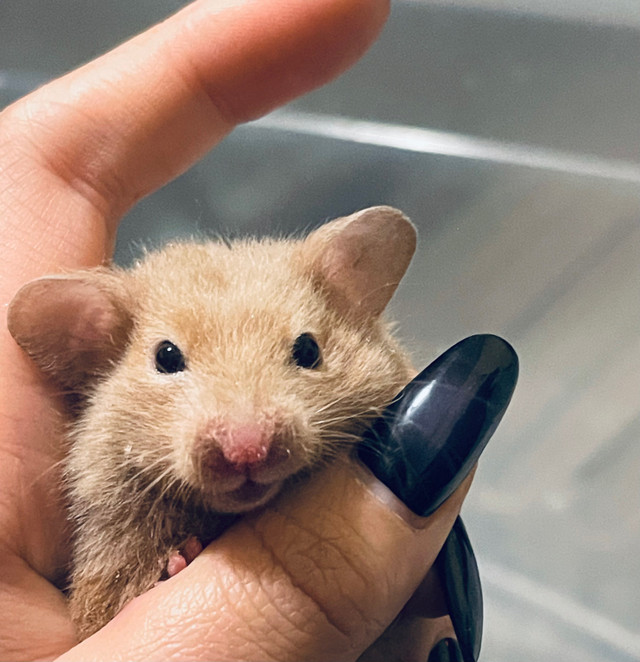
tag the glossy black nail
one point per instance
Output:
(430, 437)
(458, 571)
(446, 650)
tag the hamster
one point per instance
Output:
(202, 380)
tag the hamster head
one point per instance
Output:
(212, 372)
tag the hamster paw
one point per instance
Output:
(180, 558)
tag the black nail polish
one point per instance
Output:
(446, 650)
(430, 437)
(458, 572)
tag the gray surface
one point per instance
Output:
(565, 85)
(608, 12)
(546, 256)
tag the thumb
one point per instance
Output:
(317, 576)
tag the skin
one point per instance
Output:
(324, 572)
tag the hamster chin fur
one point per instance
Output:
(205, 378)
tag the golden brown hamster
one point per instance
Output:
(204, 378)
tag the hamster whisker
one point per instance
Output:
(160, 498)
(141, 471)
(162, 476)
(352, 407)
(58, 465)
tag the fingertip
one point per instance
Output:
(290, 47)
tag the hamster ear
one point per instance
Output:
(360, 259)
(72, 327)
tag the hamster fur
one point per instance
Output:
(203, 379)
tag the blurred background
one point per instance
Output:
(509, 130)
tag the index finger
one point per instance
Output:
(79, 152)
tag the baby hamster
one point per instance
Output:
(204, 378)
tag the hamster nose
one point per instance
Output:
(246, 444)
(231, 448)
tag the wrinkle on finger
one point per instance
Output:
(318, 563)
(297, 555)
(247, 604)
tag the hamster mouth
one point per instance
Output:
(250, 492)
(248, 496)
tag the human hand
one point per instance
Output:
(74, 156)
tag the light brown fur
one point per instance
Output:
(134, 473)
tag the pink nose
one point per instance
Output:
(245, 444)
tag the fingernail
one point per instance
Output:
(458, 571)
(429, 438)
(446, 650)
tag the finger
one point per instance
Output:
(318, 576)
(35, 620)
(422, 623)
(443, 618)
(83, 149)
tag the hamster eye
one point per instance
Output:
(169, 358)
(305, 351)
